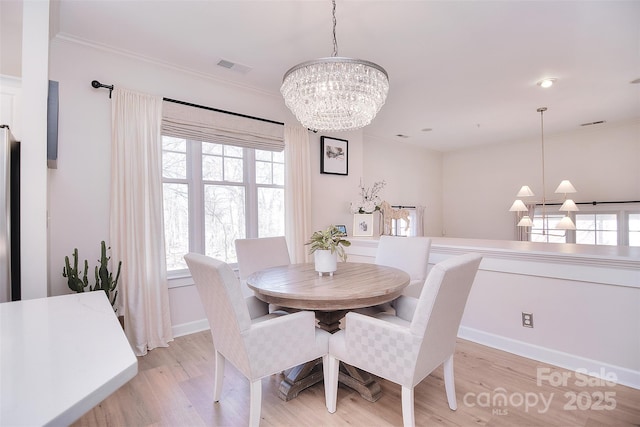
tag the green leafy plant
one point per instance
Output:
(330, 239)
(104, 281)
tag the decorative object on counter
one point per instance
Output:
(104, 280)
(389, 213)
(334, 156)
(362, 225)
(335, 93)
(370, 199)
(326, 246)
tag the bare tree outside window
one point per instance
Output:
(215, 194)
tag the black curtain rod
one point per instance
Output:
(594, 203)
(96, 84)
(222, 111)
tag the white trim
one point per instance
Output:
(625, 376)
(587, 263)
(78, 41)
(190, 327)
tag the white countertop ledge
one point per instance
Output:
(614, 265)
(59, 357)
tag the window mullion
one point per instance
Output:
(196, 195)
(251, 191)
(623, 228)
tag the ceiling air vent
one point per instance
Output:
(239, 68)
(599, 122)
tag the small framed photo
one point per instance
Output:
(342, 229)
(334, 156)
(363, 225)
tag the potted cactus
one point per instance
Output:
(104, 281)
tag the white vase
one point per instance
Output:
(326, 262)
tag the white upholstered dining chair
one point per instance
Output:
(406, 347)
(257, 343)
(409, 254)
(258, 254)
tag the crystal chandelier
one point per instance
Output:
(565, 187)
(335, 93)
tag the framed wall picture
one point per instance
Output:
(363, 224)
(334, 156)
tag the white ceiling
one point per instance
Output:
(465, 69)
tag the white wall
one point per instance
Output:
(332, 193)
(484, 179)
(481, 183)
(33, 150)
(413, 175)
(79, 188)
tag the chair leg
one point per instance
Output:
(449, 383)
(408, 416)
(256, 403)
(218, 376)
(330, 367)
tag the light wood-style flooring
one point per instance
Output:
(174, 387)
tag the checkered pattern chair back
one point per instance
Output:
(224, 305)
(258, 254)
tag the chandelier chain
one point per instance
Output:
(545, 219)
(335, 40)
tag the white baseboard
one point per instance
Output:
(190, 328)
(625, 376)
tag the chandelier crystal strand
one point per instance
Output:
(335, 93)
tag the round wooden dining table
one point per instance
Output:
(352, 286)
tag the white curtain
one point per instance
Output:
(136, 220)
(297, 191)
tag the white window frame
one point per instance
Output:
(195, 187)
(621, 210)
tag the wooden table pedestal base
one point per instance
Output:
(310, 373)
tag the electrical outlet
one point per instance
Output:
(527, 320)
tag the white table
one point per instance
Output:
(59, 357)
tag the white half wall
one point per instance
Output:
(585, 301)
